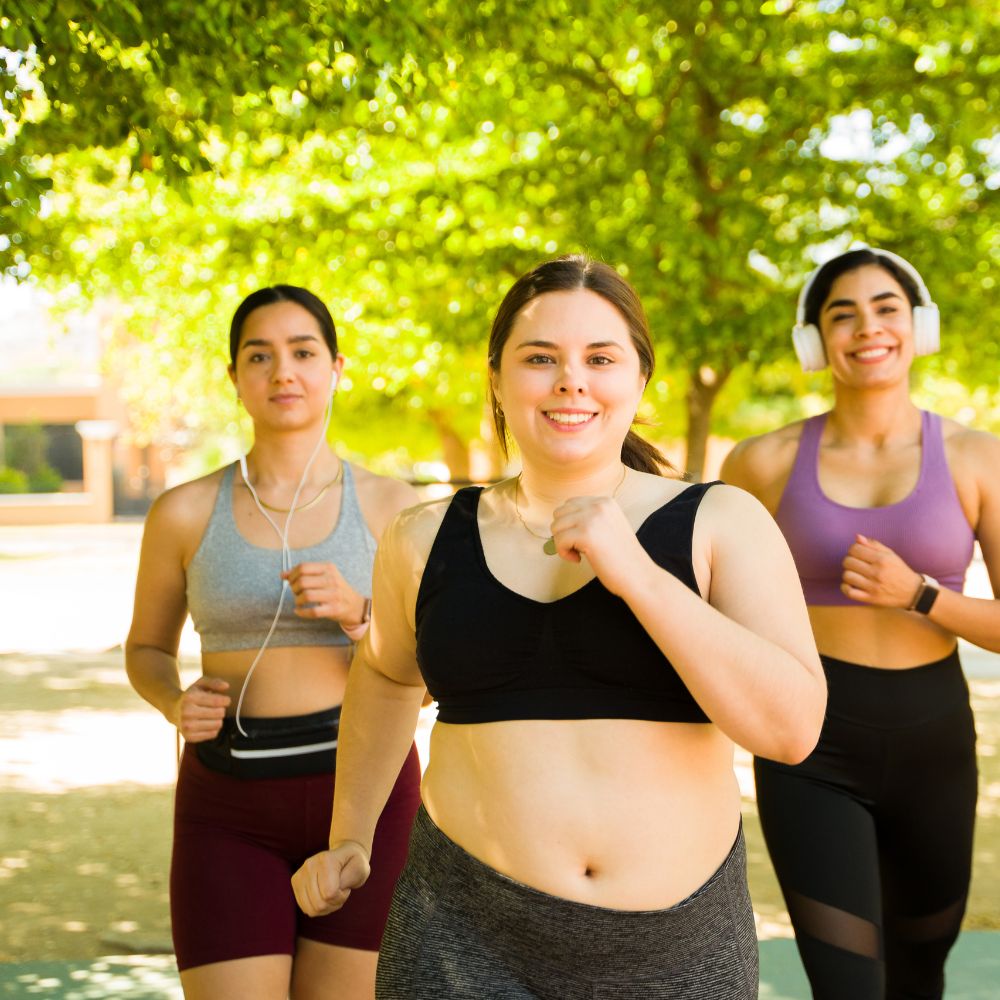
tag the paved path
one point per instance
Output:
(973, 974)
(68, 589)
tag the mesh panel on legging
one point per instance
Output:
(833, 926)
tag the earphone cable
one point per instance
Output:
(286, 552)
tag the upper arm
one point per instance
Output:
(390, 645)
(382, 498)
(753, 579)
(161, 586)
(988, 523)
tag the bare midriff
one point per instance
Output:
(619, 813)
(879, 637)
(289, 680)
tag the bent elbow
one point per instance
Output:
(796, 751)
(800, 740)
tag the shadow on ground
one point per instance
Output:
(86, 774)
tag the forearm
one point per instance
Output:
(765, 698)
(378, 720)
(155, 675)
(975, 619)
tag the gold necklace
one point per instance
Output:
(312, 503)
(549, 546)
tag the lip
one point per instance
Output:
(284, 398)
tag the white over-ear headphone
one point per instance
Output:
(808, 342)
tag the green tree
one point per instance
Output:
(409, 159)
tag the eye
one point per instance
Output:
(841, 316)
(538, 359)
(888, 309)
(304, 352)
(257, 357)
(600, 359)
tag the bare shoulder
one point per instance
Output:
(761, 464)
(178, 517)
(186, 507)
(410, 534)
(381, 497)
(732, 510)
(965, 443)
(974, 460)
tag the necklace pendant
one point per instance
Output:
(549, 548)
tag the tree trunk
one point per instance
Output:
(494, 453)
(703, 387)
(454, 449)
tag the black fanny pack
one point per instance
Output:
(274, 748)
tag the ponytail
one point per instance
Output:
(639, 454)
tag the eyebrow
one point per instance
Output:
(595, 344)
(297, 339)
(850, 302)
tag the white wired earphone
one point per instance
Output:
(286, 552)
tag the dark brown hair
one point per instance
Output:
(567, 274)
(819, 290)
(282, 293)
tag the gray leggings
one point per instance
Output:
(459, 929)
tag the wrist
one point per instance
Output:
(355, 630)
(341, 842)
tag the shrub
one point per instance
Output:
(12, 480)
(45, 479)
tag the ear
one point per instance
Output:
(494, 377)
(231, 372)
(338, 371)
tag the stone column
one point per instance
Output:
(98, 480)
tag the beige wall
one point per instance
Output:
(94, 412)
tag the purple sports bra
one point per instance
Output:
(928, 528)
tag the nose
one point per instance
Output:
(868, 322)
(281, 370)
(568, 380)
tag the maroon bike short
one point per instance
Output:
(237, 843)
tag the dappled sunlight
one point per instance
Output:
(140, 976)
(75, 748)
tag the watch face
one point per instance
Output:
(928, 595)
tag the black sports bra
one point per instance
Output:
(488, 654)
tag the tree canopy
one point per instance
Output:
(407, 160)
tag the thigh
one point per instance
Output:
(264, 977)
(927, 818)
(324, 972)
(230, 896)
(926, 839)
(822, 841)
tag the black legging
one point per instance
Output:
(871, 836)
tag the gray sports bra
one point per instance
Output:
(233, 586)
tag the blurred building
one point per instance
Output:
(64, 431)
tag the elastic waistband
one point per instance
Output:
(894, 698)
(286, 746)
(585, 939)
(286, 725)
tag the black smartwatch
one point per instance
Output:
(926, 595)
